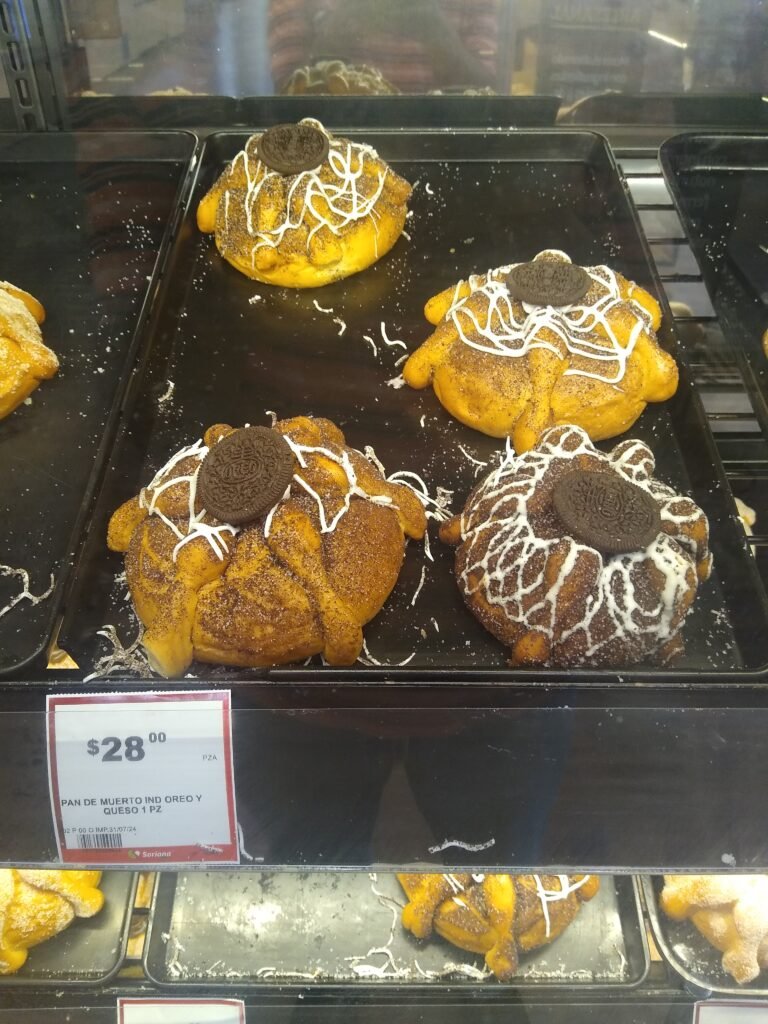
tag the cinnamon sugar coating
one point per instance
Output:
(302, 580)
(510, 369)
(555, 601)
(305, 230)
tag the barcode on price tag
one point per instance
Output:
(180, 1011)
(142, 777)
(731, 1011)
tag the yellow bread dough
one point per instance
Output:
(36, 905)
(302, 580)
(308, 229)
(511, 369)
(497, 915)
(730, 911)
(24, 359)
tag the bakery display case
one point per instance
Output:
(409, 388)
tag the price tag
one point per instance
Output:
(180, 1011)
(730, 1011)
(142, 777)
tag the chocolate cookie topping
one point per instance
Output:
(292, 148)
(548, 283)
(606, 511)
(245, 474)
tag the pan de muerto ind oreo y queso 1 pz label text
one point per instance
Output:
(606, 511)
(142, 778)
(245, 474)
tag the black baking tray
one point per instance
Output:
(688, 953)
(691, 110)
(481, 199)
(260, 929)
(719, 184)
(373, 111)
(91, 950)
(86, 220)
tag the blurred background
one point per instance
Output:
(574, 49)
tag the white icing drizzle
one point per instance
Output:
(166, 395)
(510, 566)
(343, 460)
(367, 658)
(390, 342)
(121, 660)
(351, 195)
(470, 847)
(372, 343)
(373, 458)
(416, 593)
(512, 329)
(454, 883)
(25, 594)
(195, 526)
(477, 463)
(547, 896)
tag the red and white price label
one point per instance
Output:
(142, 777)
(180, 1011)
(730, 1011)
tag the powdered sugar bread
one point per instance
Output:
(36, 905)
(730, 911)
(24, 359)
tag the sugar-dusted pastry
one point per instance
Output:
(337, 78)
(24, 359)
(533, 345)
(36, 905)
(570, 556)
(730, 911)
(497, 915)
(300, 207)
(263, 546)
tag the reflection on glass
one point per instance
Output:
(574, 49)
(413, 45)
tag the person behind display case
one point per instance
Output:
(415, 45)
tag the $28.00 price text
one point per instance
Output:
(129, 749)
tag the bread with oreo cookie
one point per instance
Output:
(571, 556)
(262, 546)
(299, 207)
(531, 345)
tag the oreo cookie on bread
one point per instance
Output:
(245, 474)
